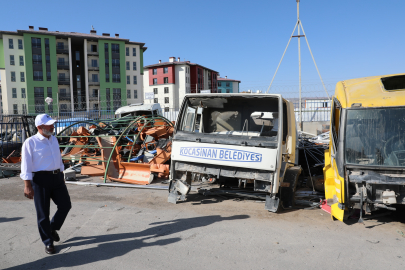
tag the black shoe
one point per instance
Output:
(55, 236)
(50, 249)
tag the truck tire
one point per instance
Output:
(290, 186)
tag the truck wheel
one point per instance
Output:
(290, 186)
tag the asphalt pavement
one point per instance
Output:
(125, 228)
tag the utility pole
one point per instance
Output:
(299, 61)
(300, 27)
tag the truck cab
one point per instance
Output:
(235, 141)
(365, 163)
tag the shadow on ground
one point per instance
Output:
(3, 219)
(114, 245)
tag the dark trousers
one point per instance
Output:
(46, 187)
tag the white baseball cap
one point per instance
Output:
(44, 119)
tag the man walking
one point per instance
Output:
(41, 168)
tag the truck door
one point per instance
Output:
(338, 207)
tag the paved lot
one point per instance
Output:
(118, 228)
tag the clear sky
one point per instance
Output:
(243, 40)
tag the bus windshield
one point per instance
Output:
(375, 137)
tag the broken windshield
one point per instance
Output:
(375, 137)
(235, 116)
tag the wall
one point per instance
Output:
(139, 86)
(315, 128)
(1, 54)
(7, 98)
(160, 75)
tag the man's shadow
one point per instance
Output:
(114, 245)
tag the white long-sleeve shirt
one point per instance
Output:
(40, 154)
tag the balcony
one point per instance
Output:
(62, 50)
(92, 53)
(63, 65)
(93, 97)
(63, 81)
(94, 82)
(93, 67)
(64, 96)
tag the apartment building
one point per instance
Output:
(226, 85)
(168, 82)
(80, 72)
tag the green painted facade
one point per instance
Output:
(103, 84)
(2, 64)
(31, 84)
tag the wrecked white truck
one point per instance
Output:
(239, 144)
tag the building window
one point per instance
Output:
(133, 51)
(165, 70)
(12, 60)
(128, 79)
(106, 48)
(15, 108)
(135, 94)
(155, 81)
(155, 100)
(228, 84)
(116, 98)
(154, 71)
(13, 76)
(63, 108)
(134, 65)
(22, 75)
(128, 93)
(21, 60)
(49, 92)
(108, 98)
(166, 100)
(135, 80)
(10, 43)
(93, 62)
(228, 90)
(36, 43)
(14, 92)
(93, 48)
(62, 93)
(116, 63)
(219, 84)
(60, 46)
(48, 76)
(23, 95)
(38, 76)
(94, 77)
(116, 78)
(95, 93)
(155, 91)
(115, 48)
(166, 109)
(166, 90)
(20, 44)
(127, 51)
(166, 80)
(24, 108)
(127, 64)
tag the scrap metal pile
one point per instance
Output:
(131, 150)
(312, 161)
